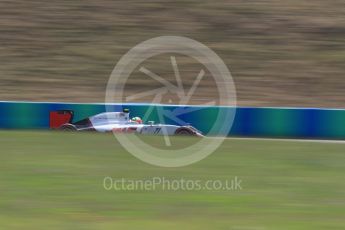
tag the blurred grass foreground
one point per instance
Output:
(54, 180)
(280, 53)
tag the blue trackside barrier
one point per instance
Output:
(250, 122)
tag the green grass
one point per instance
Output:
(55, 181)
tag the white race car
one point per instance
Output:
(118, 122)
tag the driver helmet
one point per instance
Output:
(137, 120)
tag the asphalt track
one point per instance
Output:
(284, 140)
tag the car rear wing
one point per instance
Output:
(59, 118)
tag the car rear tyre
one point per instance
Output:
(67, 128)
(184, 132)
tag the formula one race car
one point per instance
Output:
(118, 122)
